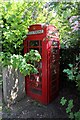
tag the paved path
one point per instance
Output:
(28, 108)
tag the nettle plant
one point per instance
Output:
(73, 72)
(69, 109)
(25, 64)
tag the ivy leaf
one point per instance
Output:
(66, 71)
(70, 106)
(70, 65)
(77, 58)
(71, 115)
(63, 101)
(77, 115)
(78, 77)
(71, 76)
(68, 110)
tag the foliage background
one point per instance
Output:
(15, 17)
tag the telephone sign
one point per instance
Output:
(35, 32)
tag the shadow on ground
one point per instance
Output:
(28, 108)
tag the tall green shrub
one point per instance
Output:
(73, 72)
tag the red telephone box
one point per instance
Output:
(43, 86)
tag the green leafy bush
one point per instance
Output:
(23, 63)
(15, 17)
(73, 72)
(69, 109)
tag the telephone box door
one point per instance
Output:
(36, 86)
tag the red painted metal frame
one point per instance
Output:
(48, 93)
